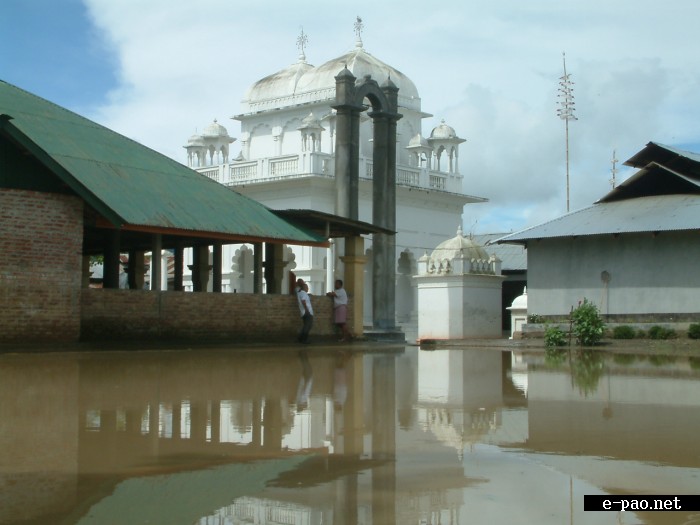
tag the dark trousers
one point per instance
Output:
(308, 321)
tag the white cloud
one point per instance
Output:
(489, 68)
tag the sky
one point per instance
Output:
(159, 70)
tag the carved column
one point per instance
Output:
(354, 261)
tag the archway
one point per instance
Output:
(349, 96)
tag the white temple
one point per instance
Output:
(286, 161)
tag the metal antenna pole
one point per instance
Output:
(614, 171)
(566, 113)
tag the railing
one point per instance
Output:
(322, 165)
(285, 166)
(242, 172)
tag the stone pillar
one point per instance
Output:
(216, 264)
(85, 275)
(200, 268)
(257, 267)
(136, 269)
(156, 249)
(274, 267)
(347, 146)
(110, 264)
(384, 215)
(354, 261)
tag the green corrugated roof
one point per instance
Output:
(130, 184)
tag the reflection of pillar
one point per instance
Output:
(215, 421)
(354, 262)
(216, 264)
(156, 249)
(257, 267)
(257, 423)
(272, 425)
(198, 422)
(177, 420)
(384, 439)
(110, 264)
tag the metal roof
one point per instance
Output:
(329, 225)
(643, 214)
(130, 185)
(512, 256)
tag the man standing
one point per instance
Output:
(340, 309)
(306, 310)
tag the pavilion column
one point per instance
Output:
(257, 267)
(110, 264)
(354, 280)
(274, 267)
(179, 267)
(384, 215)
(200, 268)
(156, 252)
(217, 265)
(136, 269)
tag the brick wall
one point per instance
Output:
(41, 237)
(109, 314)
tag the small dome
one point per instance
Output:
(459, 246)
(443, 131)
(418, 142)
(214, 130)
(195, 140)
(520, 302)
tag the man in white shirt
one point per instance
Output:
(340, 309)
(306, 310)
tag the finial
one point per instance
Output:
(359, 26)
(459, 231)
(302, 40)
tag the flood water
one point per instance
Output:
(324, 436)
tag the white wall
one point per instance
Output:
(648, 273)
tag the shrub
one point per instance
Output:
(587, 325)
(554, 336)
(661, 332)
(535, 319)
(694, 331)
(623, 332)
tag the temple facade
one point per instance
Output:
(285, 158)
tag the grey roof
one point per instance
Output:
(641, 214)
(513, 256)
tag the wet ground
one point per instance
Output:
(495, 432)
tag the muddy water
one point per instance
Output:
(275, 436)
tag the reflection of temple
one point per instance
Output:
(213, 437)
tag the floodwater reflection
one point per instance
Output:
(330, 437)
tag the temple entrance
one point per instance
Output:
(350, 97)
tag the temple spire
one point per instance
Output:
(359, 26)
(302, 40)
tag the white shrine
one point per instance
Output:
(459, 291)
(287, 161)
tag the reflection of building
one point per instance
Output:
(287, 161)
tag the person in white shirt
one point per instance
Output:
(306, 310)
(340, 309)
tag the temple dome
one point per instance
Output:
(418, 141)
(459, 246)
(195, 140)
(280, 84)
(443, 131)
(303, 78)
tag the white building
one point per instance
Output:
(286, 161)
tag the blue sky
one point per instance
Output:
(157, 70)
